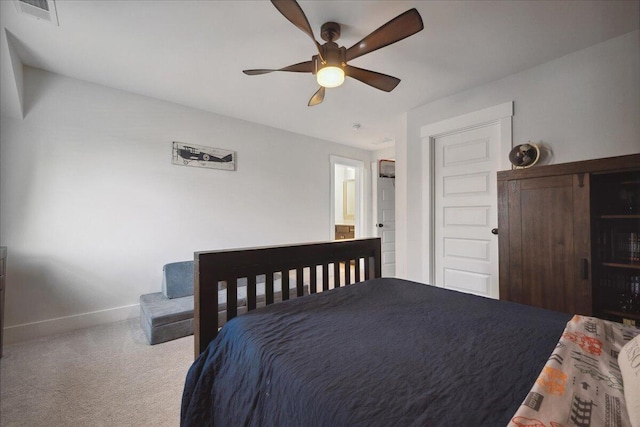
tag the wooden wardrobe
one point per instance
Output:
(566, 236)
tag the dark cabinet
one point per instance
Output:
(554, 236)
(616, 230)
(546, 248)
(3, 258)
(345, 232)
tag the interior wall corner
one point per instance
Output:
(12, 79)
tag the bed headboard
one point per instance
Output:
(299, 261)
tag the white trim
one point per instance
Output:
(473, 119)
(374, 198)
(28, 331)
(428, 216)
(499, 114)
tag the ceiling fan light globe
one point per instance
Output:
(330, 76)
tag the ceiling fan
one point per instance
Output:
(330, 64)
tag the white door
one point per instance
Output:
(386, 222)
(465, 204)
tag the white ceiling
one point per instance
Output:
(192, 53)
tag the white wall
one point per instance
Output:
(585, 105)
(384, 154)
(91, 206)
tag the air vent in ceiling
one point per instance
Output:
(44, 10)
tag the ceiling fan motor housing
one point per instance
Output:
(333, 55)
(330, 31)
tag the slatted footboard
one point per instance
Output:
(321, 265)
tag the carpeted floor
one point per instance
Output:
(101, 376)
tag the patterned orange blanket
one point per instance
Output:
(581, 384)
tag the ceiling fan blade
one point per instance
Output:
(317, 97)
(377, 80)
(400, 27)
(301, 67)
(291, 10)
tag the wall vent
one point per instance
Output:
(44, 10)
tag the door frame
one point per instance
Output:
(359, 221)
(375, 218)
(499, 114)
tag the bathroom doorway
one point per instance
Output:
(346, 198)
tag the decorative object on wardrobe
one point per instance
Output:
(524, 155)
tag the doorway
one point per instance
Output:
(462, 156)
(346, 198)
(384, 202)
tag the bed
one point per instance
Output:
(362, 351)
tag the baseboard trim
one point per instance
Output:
(29, 331)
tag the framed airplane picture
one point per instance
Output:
(203, 157)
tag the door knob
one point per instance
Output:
(494, 231)
(379, 225)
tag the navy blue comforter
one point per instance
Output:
(386, 352)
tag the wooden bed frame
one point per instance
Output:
(228, 266)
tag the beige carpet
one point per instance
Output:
(101, 376)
